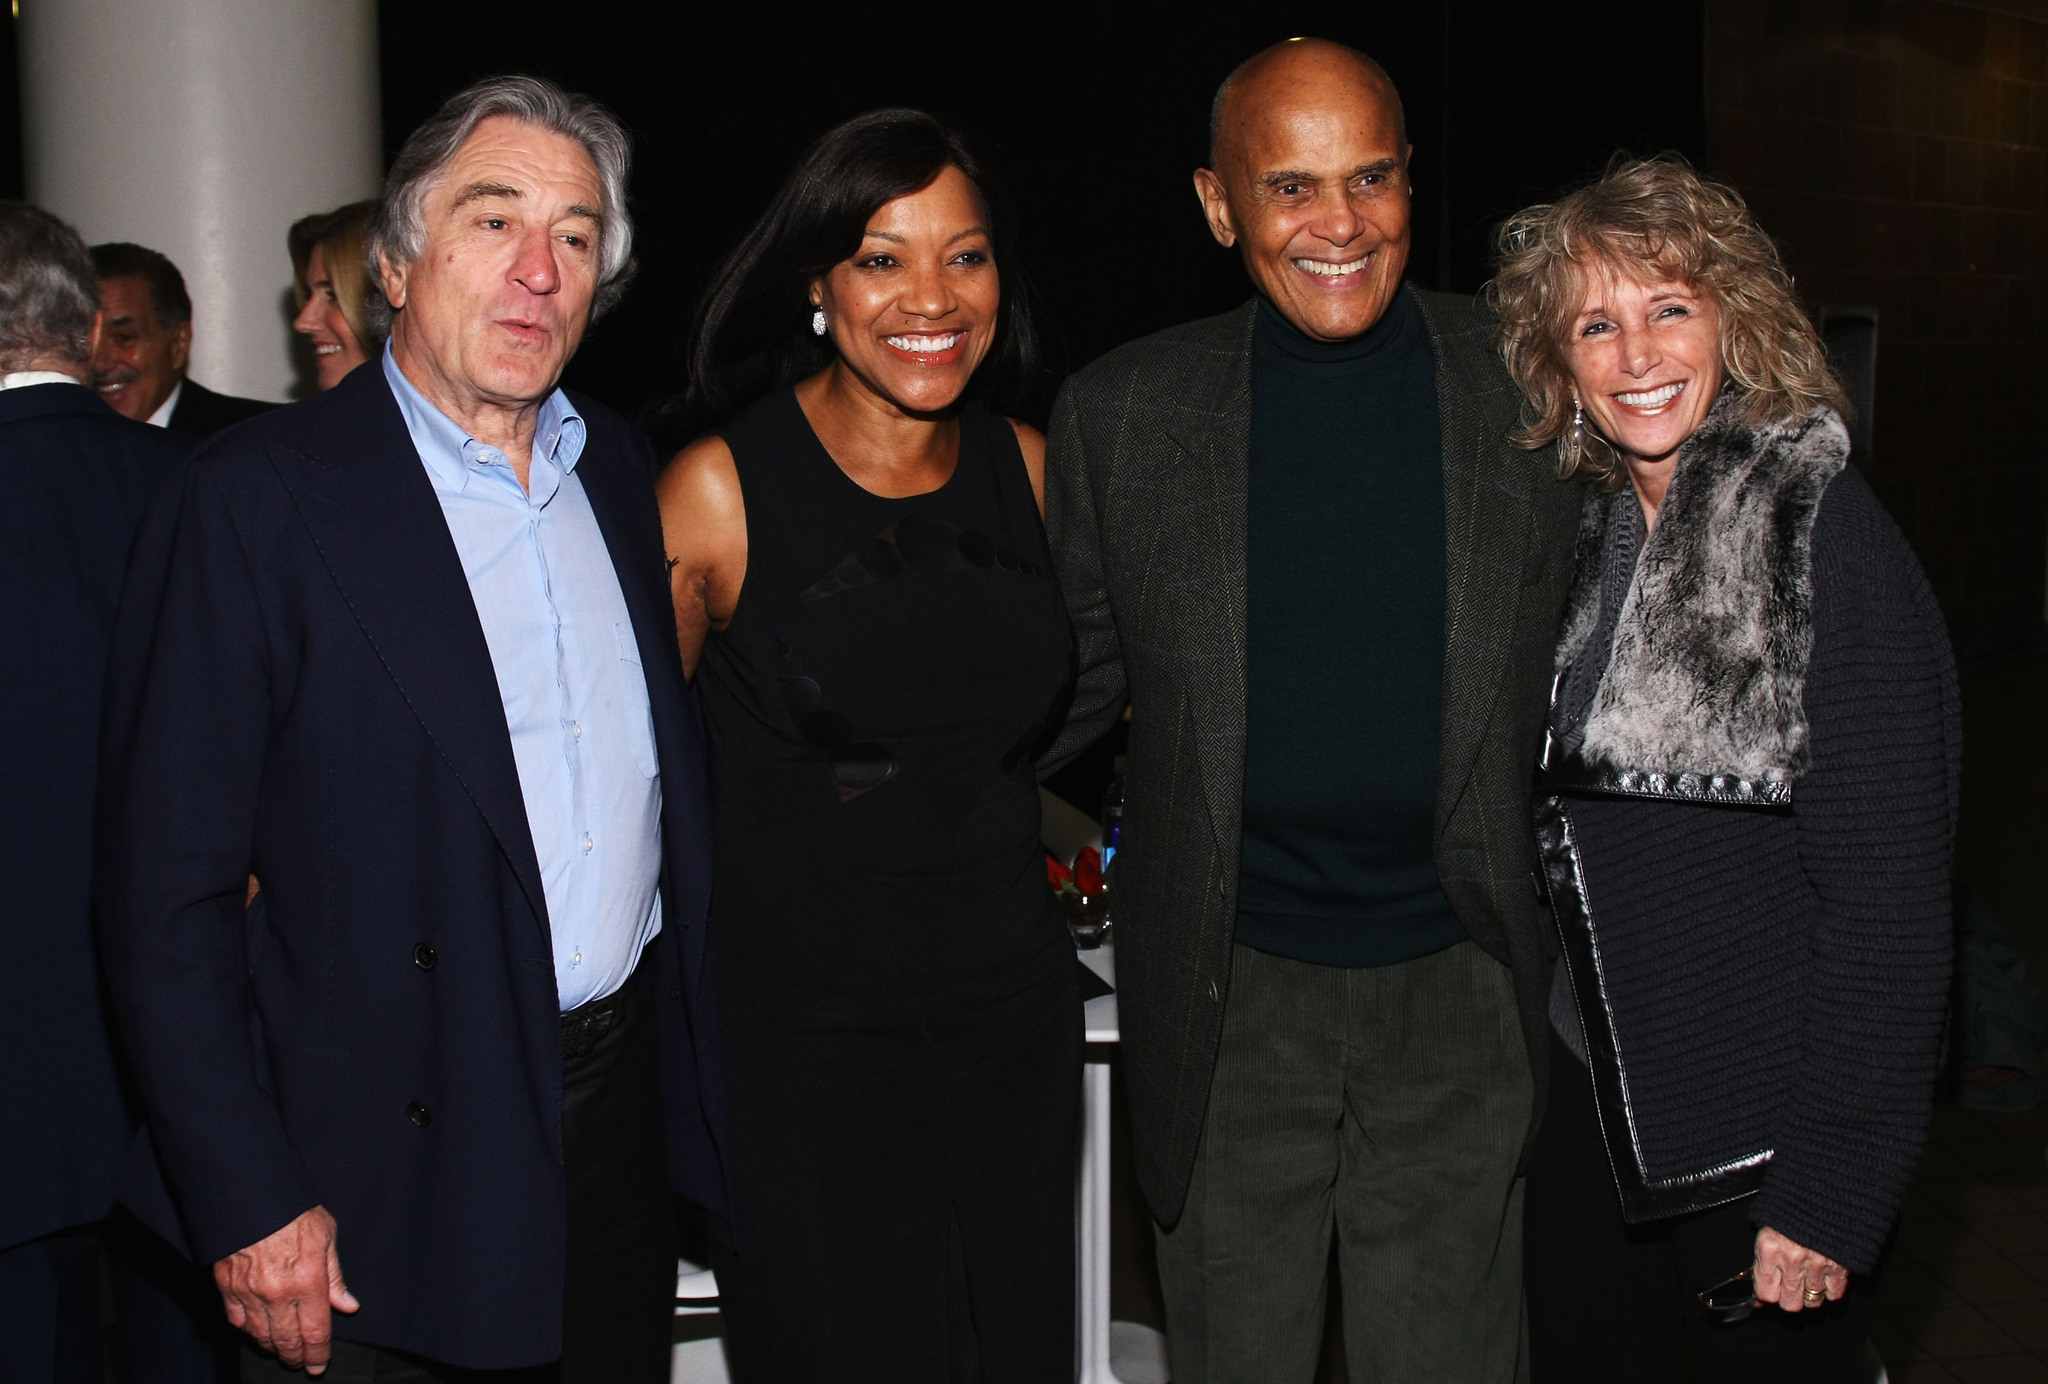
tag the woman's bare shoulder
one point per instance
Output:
(701, 476)
(1031, 442)
(1030, 439)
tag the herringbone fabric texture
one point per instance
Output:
(1145, 504)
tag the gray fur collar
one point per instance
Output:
(1712, 645)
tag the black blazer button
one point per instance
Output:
(423, 957)
(419, 1114)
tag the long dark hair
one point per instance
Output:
(753, 328)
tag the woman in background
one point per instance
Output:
(863, 592)
(1746, 808)
(331, 284)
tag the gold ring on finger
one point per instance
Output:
(1814, 1295)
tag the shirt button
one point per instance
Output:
(419, 1114)
(575, 958)
(588, 845)
(576, 729)
(423, 957)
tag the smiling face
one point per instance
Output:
(336, 351)
(138, 361)
(1311, 184)
(1645, 358)
(913, 311)
(498, 300)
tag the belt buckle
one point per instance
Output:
(581, 1031)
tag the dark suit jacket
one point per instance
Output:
(201, 413)
(1145, 505)
(300, 686)
(78, 478)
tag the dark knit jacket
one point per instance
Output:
(1759, 946)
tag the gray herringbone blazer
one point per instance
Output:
(1145, 504)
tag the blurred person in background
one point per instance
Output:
(146, 346)
(341, 313)
(78, 479)
(1746, 808)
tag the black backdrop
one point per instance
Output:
(1098, 113)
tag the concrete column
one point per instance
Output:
(204, 128)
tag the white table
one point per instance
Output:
(1106, 1352)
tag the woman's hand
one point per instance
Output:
(1794, 1277)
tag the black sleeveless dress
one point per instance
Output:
(894, 983)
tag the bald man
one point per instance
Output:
(1296, 541)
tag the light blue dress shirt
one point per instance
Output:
(569, 675)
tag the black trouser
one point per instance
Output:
(619, 1296)
(168, 1323)
(1611, 1301)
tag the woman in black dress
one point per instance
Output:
(864, 595)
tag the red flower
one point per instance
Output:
(1056, 874)
(1088, 871)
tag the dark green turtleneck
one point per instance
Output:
(1345, 629)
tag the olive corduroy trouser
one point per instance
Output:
(1384, 1106)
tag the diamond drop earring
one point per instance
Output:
(1578, 427)
(818, 322)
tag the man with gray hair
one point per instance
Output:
(404, 653)
(79, 478)
(139, 367)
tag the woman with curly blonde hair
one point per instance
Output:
(1746, 808)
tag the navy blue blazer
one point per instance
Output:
(75, 481)
(300, 686)
(201, 413)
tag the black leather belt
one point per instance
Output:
(585, 1025)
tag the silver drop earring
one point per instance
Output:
(818, 322)
(1578, 427)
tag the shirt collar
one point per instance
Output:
(22, 379)
(559, 434)
(162, 417)
(447, 448)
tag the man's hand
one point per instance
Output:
(1787, 1272)
(281, 1288)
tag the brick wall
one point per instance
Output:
(1898, 151)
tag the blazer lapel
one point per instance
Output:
(636, 555)
(1214, 437)
(622, 501)
(1486, 530)
(367, 502)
